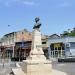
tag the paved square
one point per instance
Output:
(69, 68)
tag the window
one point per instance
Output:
(72, 44)
(43, 42)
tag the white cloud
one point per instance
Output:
(11, 2)
(29, 3)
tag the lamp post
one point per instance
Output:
(13, 43)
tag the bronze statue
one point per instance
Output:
(38, 24)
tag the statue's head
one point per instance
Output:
(37, 19)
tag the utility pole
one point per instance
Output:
(13, 40)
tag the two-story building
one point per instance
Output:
(18, 44)
(8, 44)
(61, 46)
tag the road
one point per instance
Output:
(69, 68)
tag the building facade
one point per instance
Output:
(8, 45)
(18, 44)
(61, 47)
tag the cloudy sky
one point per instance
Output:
(56, 15)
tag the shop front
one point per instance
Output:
(9, 52)
(57, 50)
(22, 50)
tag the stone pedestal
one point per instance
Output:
(37, 67)
(36, 63)
(36, 48)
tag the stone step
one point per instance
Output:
(18, 71)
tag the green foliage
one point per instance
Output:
(67, 33)
(72, 34)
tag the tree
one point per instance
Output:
(65, 33)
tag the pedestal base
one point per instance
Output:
(19, 71)
(37, 67)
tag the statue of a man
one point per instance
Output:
(37, 24)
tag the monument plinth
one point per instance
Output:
(36, 63)
(36, 48)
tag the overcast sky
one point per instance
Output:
(56, 16)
